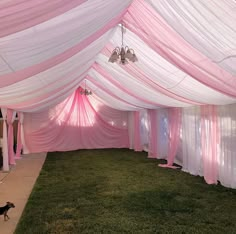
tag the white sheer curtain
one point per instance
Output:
(192, 145)
(158, 148)
(191, 141)
(200, 142)
(227, 155)
(162, 137)
(140, 121)
(144, 129)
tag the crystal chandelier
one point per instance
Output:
(85, 91)
(123, 54)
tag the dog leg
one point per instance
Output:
(6, 217)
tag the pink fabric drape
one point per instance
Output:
(22, 14)
(74, 124)
(10, 120)
(210, 136)
(109, 77)
(153, 30)
(153, 128)
(4, 141)
(100, 86)
(174, 122)
(137, 136)
(17, 76)
(139, 74)
(19, 134)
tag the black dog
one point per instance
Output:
(4, 210)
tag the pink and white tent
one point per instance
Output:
(177, 102)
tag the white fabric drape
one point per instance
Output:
(4, 141)
(192, 145)
(191, 141)
(144, 129)
(41, 88)
(50, 38)
(159, 145)
(163, 134)
(227, 155)
(218, 42)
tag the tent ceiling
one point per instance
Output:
(186, 52)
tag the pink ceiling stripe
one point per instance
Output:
(98, 84)
(11, 78)
(39, 101)
(25, 14)
(104, 73)
(153, 30)
(136, 72)
(139, 75)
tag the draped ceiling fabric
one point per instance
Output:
(186, 56)
(186, 52)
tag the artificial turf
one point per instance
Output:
(122, 191)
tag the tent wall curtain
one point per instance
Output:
(163, 133)
(11, 114)
(200, 154)
(158, 133)
(227, 149)
(153, 134)
(131, 129)
(134, 131)
(5, 141)
(174, 123)
(137, 134)
(191, 141)
(210, 143)
(20, 135)
(74, 124)
(144, 129)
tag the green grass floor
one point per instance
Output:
(122, 191)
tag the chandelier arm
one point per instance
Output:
(117, 49)
(131, 50)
